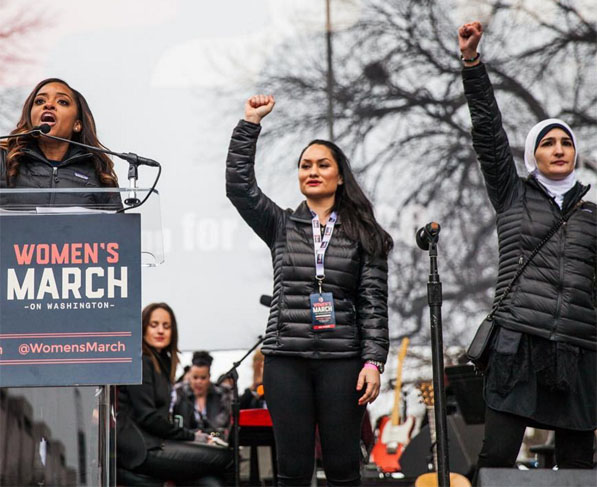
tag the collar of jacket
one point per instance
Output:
(163, 358)
(73, 154)
(570, 198)
(303, 214)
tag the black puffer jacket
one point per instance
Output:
(143, 414)
(76, 170)
(555, 298)
(357, 280)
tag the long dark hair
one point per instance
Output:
(104, 167)
(172, 348)
(354, 208)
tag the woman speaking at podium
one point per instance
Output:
(327, 337)
(39, 162)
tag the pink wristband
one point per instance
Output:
(370, 366)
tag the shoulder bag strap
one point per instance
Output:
(552, 231)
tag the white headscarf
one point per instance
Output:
(556, 188)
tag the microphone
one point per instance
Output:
(266, 300)
(427, 235)
(130, 157)
(38, 130)
(134, 161)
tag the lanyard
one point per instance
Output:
(320, 244)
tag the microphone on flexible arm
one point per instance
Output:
(35, 132)
(130, 157)
(133, 159)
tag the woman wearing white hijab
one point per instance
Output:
(542, 363)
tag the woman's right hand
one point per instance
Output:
(469, 36)
(201, 437)
(258, 106)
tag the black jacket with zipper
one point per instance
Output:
(357, 280)
(555, 297)
(76, 170)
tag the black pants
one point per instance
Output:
(188, 462)
(504, 433)
(302, 393)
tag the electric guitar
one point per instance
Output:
(431, 479)
(393, 434)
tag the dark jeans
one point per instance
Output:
(504, 433)
(188, 462)
(302, 393)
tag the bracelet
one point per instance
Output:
(373, 363)
(471, 60)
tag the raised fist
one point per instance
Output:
(258, 106)
(469, 36)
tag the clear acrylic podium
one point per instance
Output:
(70, 327)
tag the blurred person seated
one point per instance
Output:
(149, 443)
(254, 396)
(203, 405)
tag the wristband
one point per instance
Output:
(471, 60)
(378, 365)
(369, 365)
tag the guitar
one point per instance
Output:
(393, 434)
(431, 479)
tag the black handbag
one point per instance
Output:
(478, 350)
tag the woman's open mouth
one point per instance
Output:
(47, 117)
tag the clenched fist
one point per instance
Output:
(469, 36)
(258, 106)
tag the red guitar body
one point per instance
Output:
(387, 455)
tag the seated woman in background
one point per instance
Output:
(203, 406)
(149, 442)
(39, 162)
(254, 396)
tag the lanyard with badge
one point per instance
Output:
(323, 315)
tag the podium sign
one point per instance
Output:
(70, 300)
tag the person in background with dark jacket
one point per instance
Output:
(203, 405)
(327, 336)
(542, 365)
(253, 397)
(148, 441)
(39, 162)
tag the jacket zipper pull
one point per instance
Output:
(55, 173)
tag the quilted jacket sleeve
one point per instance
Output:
(489, 139)
(372, 308)
(261, 213)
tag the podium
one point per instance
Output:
(70, 327)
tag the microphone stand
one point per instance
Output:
(35, 132)
(133, 159)
(427, 239)
(233, 374)
(133, 177)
